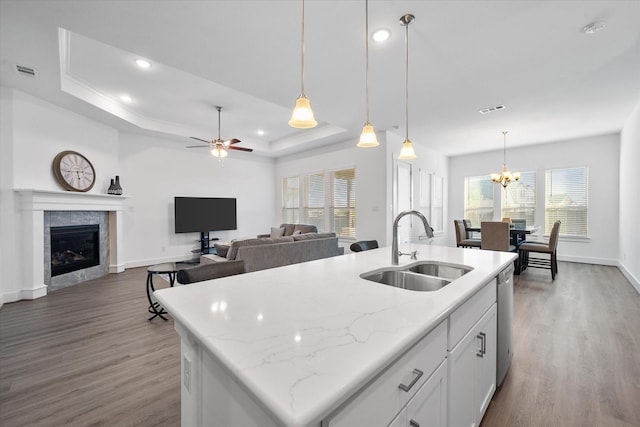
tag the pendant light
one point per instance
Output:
(368, 135)
(407, 152)
(302, 116)
(506, 177)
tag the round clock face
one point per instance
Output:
(73, 171)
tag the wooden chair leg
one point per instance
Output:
(553, 266)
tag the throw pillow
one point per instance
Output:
(221, 249)
(277, 232)
(296, 232)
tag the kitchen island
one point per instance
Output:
(309, 344)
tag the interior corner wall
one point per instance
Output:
(154, 170)
(370, 180)
(629, 228)
(600, 153)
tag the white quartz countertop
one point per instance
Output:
(303, 338)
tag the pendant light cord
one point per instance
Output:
(302, 55)
(504, 155)
(366, 38)
(406, 86)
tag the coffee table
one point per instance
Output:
(170, 269)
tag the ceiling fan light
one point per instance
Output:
(302, 116)
(407, 152)
(219, 153)
(368, 137)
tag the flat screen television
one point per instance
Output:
(203, 214)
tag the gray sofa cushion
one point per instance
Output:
(233, 249)
(210, 271)
(312, 236)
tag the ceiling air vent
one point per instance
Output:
(24, 70)
(492, 109)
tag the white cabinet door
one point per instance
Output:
(472, 373)
(429, 405)
(486, 365)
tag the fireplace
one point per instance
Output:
(74, 248)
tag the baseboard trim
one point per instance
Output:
(587, 260)
(630, 277)
(23, 294)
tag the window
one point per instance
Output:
(313, 196)
(343, 210)
(519, 198)
(478, 199)
(328, 201)
(291, 200)
(566, 200)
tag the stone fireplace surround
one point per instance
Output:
(32, 205)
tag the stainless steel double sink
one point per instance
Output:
(422, 276)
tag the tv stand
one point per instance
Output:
(205, 246)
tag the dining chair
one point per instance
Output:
(470, 234)
(495, 236)
(462, 241)
(364, 245)
(549, 248)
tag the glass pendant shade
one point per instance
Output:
(219, 153)
(407, 152)
(302, 116)
(368, 137)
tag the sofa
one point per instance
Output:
(290, 230)
(269, 252)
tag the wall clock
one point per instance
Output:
(73, 171)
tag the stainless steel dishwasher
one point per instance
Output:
(505, 323)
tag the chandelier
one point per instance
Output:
(506, 177)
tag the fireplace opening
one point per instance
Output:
(74, 248)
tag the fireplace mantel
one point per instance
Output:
(32, 204)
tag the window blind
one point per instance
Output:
(313, 200)
(566, 200)
(478, 199)
(291, 200)
(343, 209)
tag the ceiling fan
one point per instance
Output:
(218, 146)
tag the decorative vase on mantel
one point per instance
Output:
(115, 187)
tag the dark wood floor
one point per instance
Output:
(87, 355)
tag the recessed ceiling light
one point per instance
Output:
(260, 132)
(143, 63)
(381, 35)
(126, 98)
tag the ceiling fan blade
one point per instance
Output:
(234, 141)
(240, 149)
(198, 146)
(203, 140)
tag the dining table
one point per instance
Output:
(517, 234)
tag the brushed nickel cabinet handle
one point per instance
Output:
(484, 342)
(481, 336)
(418, 374)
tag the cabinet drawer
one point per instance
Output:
(382, 399)
(468, 313)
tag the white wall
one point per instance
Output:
(154, 170)
(629, 250)
(599, 153)
(8, 254)
(370, 175)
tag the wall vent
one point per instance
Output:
(23, 70)
(492, 109)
